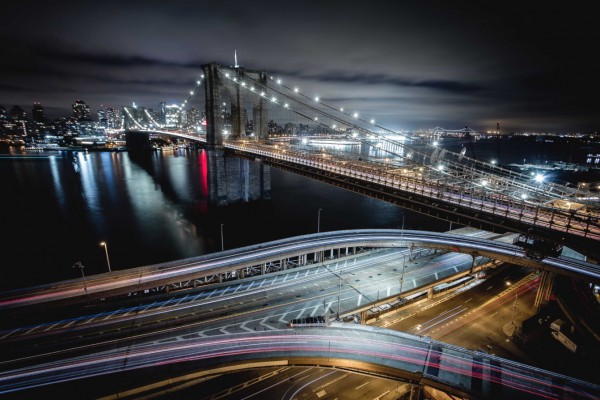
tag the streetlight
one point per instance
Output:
(319, 220)
(402, 231)
(222, 243)
(103, 244)
(79, 265)
(402, 276)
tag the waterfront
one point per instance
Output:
(58, 206)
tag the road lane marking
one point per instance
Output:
(312, 314)
(381, 395)
(358, 387)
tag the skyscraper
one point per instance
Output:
(38, 113)
(18, 114)
(81, 111)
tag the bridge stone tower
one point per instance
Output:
(219, 87)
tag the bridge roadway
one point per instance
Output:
(234, 261)
(474, 198)
(395, 355)
(529, 213)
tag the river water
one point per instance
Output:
(57, 206)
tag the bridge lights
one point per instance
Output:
(262, 94)
(317, 99)
(197, 82)
(523, 196)
(355, 115)
(286, 105)
(539, 178)
(296, 90)
(279, 81)
(227, 75)
(372, 121)
(273, 99)
(484, 182)
(440, 167)
(493, 162)
(342, 109)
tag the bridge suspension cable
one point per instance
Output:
(447, 165)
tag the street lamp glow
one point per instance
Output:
(372, 121)
(440, 167)
(286, 105)
(197, 82)
(317, 99)
(523, 196)
(484, 182)
(103, 244)
(435, 144)
(342, 109)
(355, 115)
(279, 81)
(493, 162)
(296, 90)
(539, 178)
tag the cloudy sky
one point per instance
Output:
(408, 64)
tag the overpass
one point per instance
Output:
(417, 360)
(280, 255)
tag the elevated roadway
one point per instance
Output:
(409, 358)
(235, 262)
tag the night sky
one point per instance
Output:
(408, 64)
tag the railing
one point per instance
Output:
(425, 184)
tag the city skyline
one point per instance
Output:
(410, 66)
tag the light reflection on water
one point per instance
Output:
(157, 208)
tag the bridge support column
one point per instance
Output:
(363, 317)
(263, 269)
(473, 257)
(259, 112)
(430, 293)
(544, 289)
(242, 274)
(212, 89)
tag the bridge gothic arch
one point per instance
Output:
(219, 88)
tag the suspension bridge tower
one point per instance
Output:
(223, 83)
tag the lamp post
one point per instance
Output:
(79, 265)
(222, 243)
(319, 220)
(103, 244)
(512, 319)
(339, 295)
(402, 232)
(402, 275)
